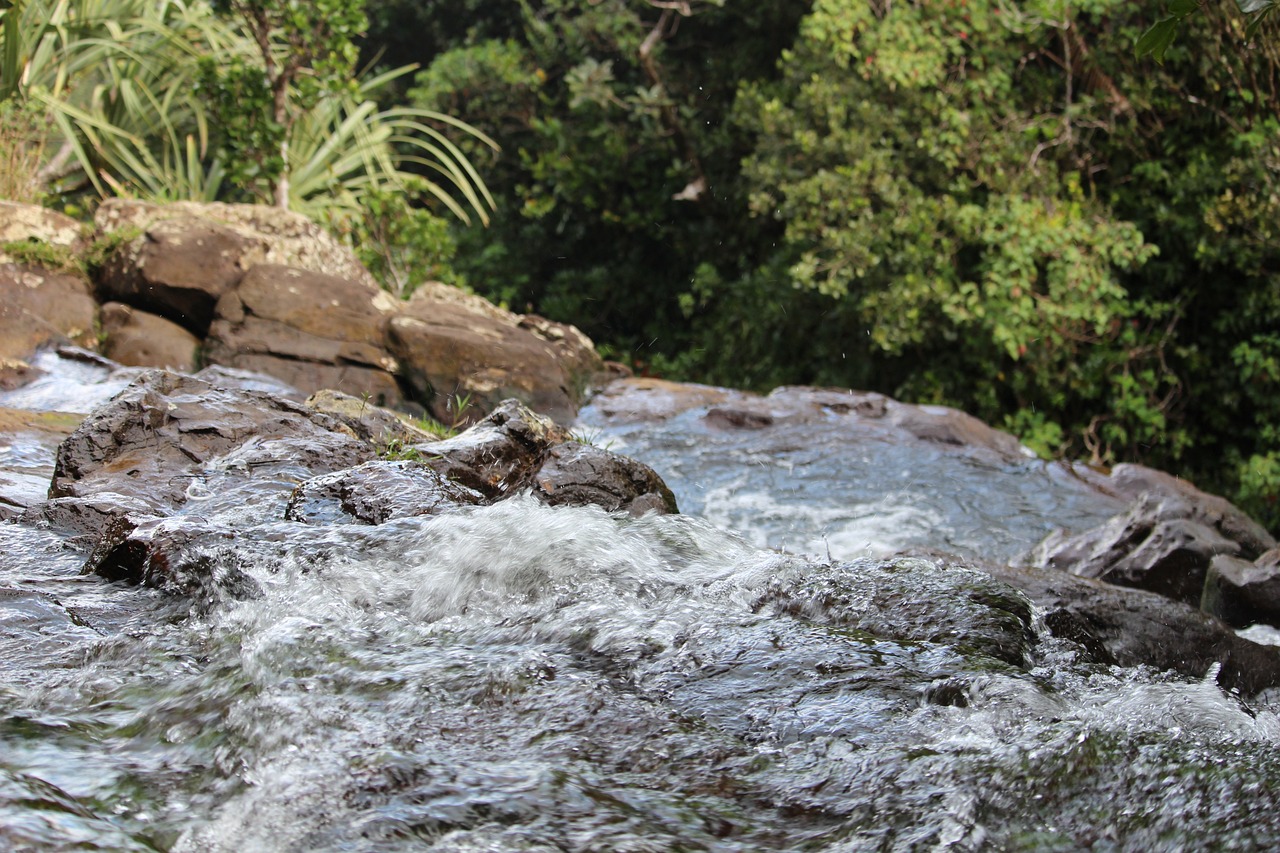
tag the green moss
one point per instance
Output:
(50, 256)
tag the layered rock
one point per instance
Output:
(1166, 542)
(454, 348)
(158, 484)
(311, 330)
(267, 290)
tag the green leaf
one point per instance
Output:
(1181, 8)
(1251, 7)
(1156, 40)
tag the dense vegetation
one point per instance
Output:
(993, 205)
(996, 205)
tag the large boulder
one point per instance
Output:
(42, 307)
(454, 347)
(140, 339)
(167, 439)
(313, 331)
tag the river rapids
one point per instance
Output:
(757, 674)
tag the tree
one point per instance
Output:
(307, 49)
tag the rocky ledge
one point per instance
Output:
(187, 285)
(174, 466)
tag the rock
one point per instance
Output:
(272, 235)
(1132, 481)
(178, 555)
(179, 268)
(1243, 593)
(29, 222)
(233, 378)
(1161, 543)
(311, 330)
(42, 307)
(451, 347)
(577, 474)
(376, 492)
(1122, 626)
(168, 437)
(915, 600)
(138, 339)
(499, 455)
(82, 520)
(644, 399)
(382, 427)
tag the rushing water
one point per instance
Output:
(517, 677)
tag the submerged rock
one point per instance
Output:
(908, 599)
(376, 492)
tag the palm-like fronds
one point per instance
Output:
(118, 78)
(346, 144)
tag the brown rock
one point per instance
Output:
(288, 238)
(179, 268)
(311, 330)
(380, 426)
(644, 398)
(139, 339)
(580, 475)
(497, 456)
(40, 307)
(450, 345)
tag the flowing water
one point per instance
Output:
(518, 677)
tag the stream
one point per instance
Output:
(759, 673)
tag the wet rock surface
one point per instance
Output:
(376, 492)
(169, 439)
(153, 482)
(233, 587)
(576, 474)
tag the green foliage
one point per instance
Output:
(23, 137)
(1259, 492)
(168, 100)
(403, 245)
(1158, 39)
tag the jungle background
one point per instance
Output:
(998, 206)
